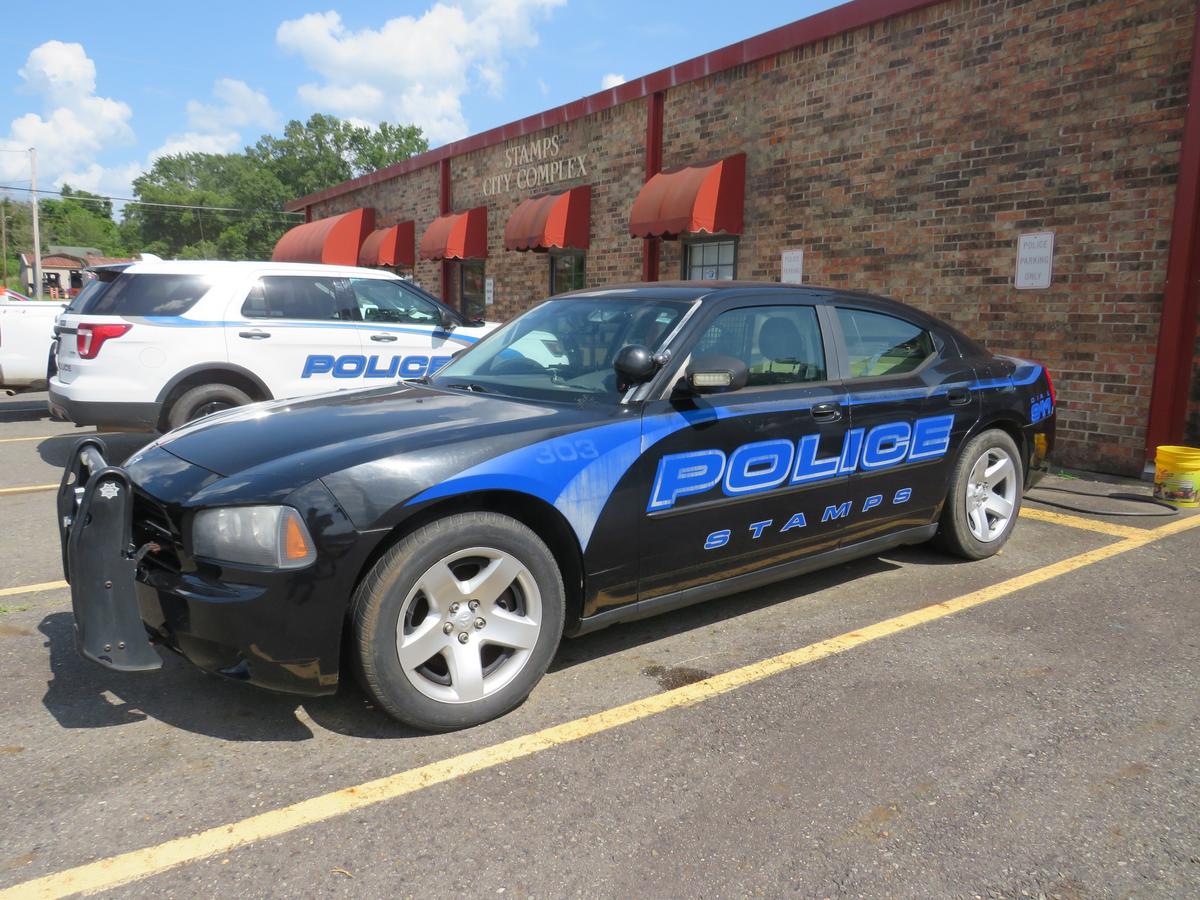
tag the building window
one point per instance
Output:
(567, 271)
(710, 260)
(472, 289)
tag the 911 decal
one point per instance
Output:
(1040, 407)
(768, 465)
(353, 365)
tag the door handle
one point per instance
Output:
(958, 396)
(383, 338)
(827, 412)
(254, 335)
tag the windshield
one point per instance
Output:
(563, 349)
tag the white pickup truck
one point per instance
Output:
(26, 333)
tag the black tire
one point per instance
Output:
(380, 602)
(203, 400)
(955, 534)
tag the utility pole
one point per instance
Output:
(4, 237)
(37, 235)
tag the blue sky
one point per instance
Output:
(102, 95)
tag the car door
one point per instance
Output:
(743, 480)
(404, 336)
(912, 404)
(296, 332)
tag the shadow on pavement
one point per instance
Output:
(82, 694)
(622, 637)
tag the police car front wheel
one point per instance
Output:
(984, 498)
(458, 622)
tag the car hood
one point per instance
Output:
(267, 449)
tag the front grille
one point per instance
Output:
(151, 524)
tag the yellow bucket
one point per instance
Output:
(1177, 475)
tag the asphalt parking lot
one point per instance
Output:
(906, 725)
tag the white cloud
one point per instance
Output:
(413, 69)
(216, 127)
(74, 126)
(240, 105)
(611, 80)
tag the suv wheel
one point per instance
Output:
(204, 400)
(458, 621)
(985, 497)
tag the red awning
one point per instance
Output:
(559, 220)
(392, 247)
(334, 241)
(457, 236)
(695, 198)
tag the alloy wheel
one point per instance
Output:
(469, 624)
(991, 494)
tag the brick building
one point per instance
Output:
(903, 146)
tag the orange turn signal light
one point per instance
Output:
(295, 545)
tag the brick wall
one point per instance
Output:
(905, 158)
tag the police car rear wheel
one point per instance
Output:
(459, 621)
(204, 400)
(985, 497)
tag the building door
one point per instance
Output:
(472, 289)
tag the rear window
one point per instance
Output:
(146, 295)
(90, 294)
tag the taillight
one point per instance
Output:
(90, 338)
(1050, 384)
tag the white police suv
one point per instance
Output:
(152, 345)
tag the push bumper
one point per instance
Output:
(95, 516)
(275, 630)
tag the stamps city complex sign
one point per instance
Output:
(535, 164)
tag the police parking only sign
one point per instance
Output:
(1035, 260)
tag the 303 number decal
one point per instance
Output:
(566, 451)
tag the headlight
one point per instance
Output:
(272, 536)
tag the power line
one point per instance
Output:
(96, 198)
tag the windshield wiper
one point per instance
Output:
(468, 386)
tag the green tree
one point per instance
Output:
(307, 157)
(207, 184)
(81, 219)
(326, 150)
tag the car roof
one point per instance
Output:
(226, 267)
(719, 290)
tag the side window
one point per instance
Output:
(778, 344)
(879, 344)
(293, 297)
(384, 300)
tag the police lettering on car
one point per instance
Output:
(603, 456)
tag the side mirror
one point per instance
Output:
(448, 321)
(634, 365)
(716, 373)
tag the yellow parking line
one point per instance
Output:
(127, 867)
(28, 489)
(31, 588)
(1056, 518)
(40, 437)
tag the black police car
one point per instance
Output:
(608, 455)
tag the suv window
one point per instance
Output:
(293, 297)
(778, 344)
(880, 344)
(143, 295)
(381, 300)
